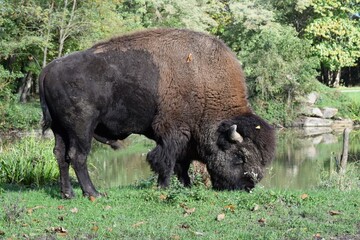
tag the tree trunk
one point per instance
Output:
(337, 75)
(65, 28)
(48, 31)
(25, 89)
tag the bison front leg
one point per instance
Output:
(182, 172)
(164, 156)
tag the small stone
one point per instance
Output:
(312, 97)
(329, 112)
(317, 122)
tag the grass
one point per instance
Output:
(348, 103)
(28, 161)
(143, 212)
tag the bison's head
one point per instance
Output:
(244, 146)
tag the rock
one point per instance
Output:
(312, 112)
(329, 138)
(329, 112)
(312, 97)
(317, 122)
(344, 123)
(314, 131)
(317, 139)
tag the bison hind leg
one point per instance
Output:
(165, 155)
(63, 163)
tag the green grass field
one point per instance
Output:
(144, 212)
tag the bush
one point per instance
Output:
(19, 116)
(279, 67)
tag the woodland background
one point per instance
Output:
(287, 48)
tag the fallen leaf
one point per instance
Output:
(61, 207)
(62, 234)
(189, 58)
(57, 230)
(220, 217)
(198, 233)
(262, 220)
(317, 236)
(74, 210)
(175, 237)
(138, 224)
(188, 211)
(304, 196)
(334, 212)
(107, 207)
(255, 208)
(92, 198)
(185, 226)
(95, 228)
(230, 207)
(162, 197)
(30, 210)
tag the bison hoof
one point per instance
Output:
(93, 195)
(69, 195)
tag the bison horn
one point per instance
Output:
(234, 135)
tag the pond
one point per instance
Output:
(300, 160)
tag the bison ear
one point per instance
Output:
(234, 135)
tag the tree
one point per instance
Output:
(279, 67)
(278, 64)
(193, 14)
(20, 45)
(335, 35)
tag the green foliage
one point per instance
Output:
(334, 180)
(18, 116)
(28, 161)
(279, 70)
(335, 35)
(278, 64)
(348, 107)
(276, 41)
(191, 14)
(13, 212)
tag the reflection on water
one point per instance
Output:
(115, 168)
(300, 159)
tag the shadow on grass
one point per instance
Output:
(52, 189)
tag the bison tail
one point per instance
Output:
(46, 120)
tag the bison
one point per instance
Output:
(183, 89)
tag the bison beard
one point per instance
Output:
(183, 89)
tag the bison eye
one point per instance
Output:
(238, 160)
